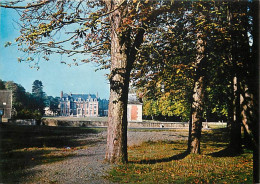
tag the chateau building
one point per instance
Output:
(89, 105)
(79, 105)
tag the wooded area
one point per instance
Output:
(28, 105)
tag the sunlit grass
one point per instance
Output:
(168, 162)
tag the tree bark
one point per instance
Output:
(247, 117)
(116, 151)
(123, 54)
(198, 97)
(247, 102)
(255, 88)
(235, 134)
(235, 129)
(197, 116)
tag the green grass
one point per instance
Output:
(23, 147)
(168, 162)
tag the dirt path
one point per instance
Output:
(88, 166)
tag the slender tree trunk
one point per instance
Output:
(190, 124)
(235, 130)
(198, 97)
(116, 151)
(235, 134)
(230, 107)
(255, 87)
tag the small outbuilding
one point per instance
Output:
(134, 109)
(5, 105)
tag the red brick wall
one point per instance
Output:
(134, 112)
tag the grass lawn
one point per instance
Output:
(22, 147)
(167, 162)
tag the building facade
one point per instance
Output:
(5, 105)
(79, 105)
(89, 105)
(134, 109)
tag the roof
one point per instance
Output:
(132, 99)
(83, 96)
(77, 96)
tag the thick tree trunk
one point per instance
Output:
(198, 98)
(197, 116)
(247, 89)
(123, 54)
(246, 103)
(116, 151)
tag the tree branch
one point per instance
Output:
(27, 6)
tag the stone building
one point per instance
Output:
(79, 105)
(5, 105)
(134, 109)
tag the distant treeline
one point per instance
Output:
(28, 105)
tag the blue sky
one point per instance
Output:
(54, 75)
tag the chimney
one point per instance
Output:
(61, 94)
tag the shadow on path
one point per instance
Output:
(23, 147)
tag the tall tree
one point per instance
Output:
(197, 108)
(129, 22)
(52, 103)
(2, 84)
(38, 95)
(255, 82)
(109, 32)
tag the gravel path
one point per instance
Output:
(88, 166)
